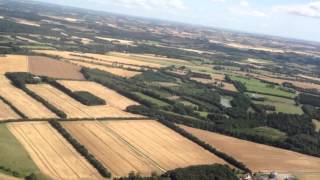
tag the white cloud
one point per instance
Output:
(247, 12)
(151, 4)
(244, 3)
(308, 10)
(215, 1)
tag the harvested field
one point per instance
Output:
(115, 71)
(6, 113)
(26, 104)
(143, 146)
(121, 41)
(73, 108)
(6, 177)
(13, 63)
(51, 152)
(260, 157)
(100, 57)
(229, 87)
(112, 98)
(44, 66)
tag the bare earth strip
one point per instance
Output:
(73, 108)
(13, 63)
(260, 157)
(112, 98)
(26, 104)
(44, 66)
(143, 146)
(6, 113)
(6, 177)
(51, 152)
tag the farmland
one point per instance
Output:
(281, 104)
(112, 98)
(260, 157)
(51, 152)
(13, 63)
(142, 146)
(257, 86)
(18, 98)
(73, 108)
(43, 66)
(6, 113)
(13, 155)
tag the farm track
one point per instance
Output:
(51, 152)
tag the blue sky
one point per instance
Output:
(298, 19)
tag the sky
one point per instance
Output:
(299, 19)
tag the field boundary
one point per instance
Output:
(16, 110)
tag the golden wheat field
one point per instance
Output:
(260, 157)
(26, 104)
(13, 63)
(142, 146)
(112, 98)
(73, 108)
(6, 113)
(53, 155)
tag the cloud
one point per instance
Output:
(151, 4)
(247, 12)
(244, 3)
(308, 10)
(215, 1)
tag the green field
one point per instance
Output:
(152, 100)
(187, 103)
(282, 104)
(254, 85)
(267, 132)
(13, 156)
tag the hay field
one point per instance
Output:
(13, 63)
(44, 66)
(259, 157)
(116, 71)
(73, 108)
(6, 113)
(112, 98)
(26, 104)
(54, 156)
(101, 57)
(143, 146)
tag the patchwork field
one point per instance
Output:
(6, 113)
(112, 70)
(44, 66)
(101, 57)
(73, 108)
(26, 104)
(282, 104)
(13, 155)
(260, 157)
(257, 86)
(13, 63)
(142, 146)
(112, 98)
(51, 152)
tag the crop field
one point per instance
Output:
(100, 57)
(282, 104)
(6, 113)
(44, 66)
(152, 99)
(260, 157)
(13, 155)
(317, 124)
(26, 104)
(6, 177)
(51, 152)
(112, 98)
(112, 70)
(121, 41)
(13, 63)
(143, 146)
(255, 85)
(73, 108)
